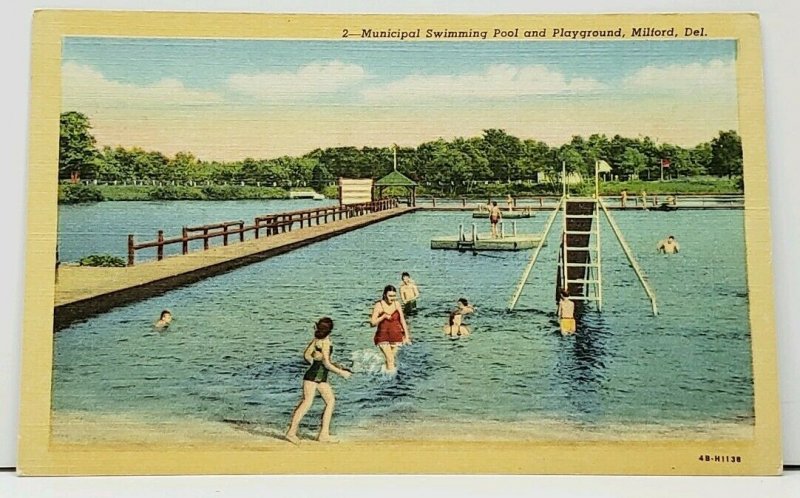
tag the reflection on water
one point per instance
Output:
(581, 364)
(234, 350)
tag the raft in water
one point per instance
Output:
(485, 242)
(506, 214)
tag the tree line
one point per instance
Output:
(453, 166)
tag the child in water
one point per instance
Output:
(318, 354)
(455, 328)
(566, 313)
(164, 320)
(408, 294)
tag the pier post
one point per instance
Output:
(257, 226)
(502, 230)
(474, 232)
(433, 201)
(225, 234)
(461, 232)
(514, 227)
(205, 239)
(241, 231)
(160, 248)
(184, 241)
(131, 250)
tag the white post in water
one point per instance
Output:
(514, 227)
(461, 232)
(502, 230)
(474, 232)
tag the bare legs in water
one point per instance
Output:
(309, 392)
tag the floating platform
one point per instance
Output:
(511, 215)
(485, 242)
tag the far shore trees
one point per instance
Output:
(77, 153)
(457, 166)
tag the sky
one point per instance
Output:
(232, 99)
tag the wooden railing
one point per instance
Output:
(266, 225)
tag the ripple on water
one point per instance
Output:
(235, 347)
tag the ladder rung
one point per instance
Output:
(584, 298)
(581, 216)
(582, 281)
(572, 232)
(581, 249)
(584, 265)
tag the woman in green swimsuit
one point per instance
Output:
(318, 354)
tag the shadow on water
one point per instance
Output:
(581, 367)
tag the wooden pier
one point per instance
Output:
(83, 291)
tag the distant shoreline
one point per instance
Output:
(111, 193)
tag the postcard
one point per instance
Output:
(279, 243)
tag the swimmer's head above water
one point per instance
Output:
(164, 319)
(323, 327)
(389, 294)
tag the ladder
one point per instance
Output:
(579, 263)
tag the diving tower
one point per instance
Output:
(579, 268)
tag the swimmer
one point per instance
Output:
(668, 245)
(566, 313)
(464, 308)
(408, 294)
(318, 353)
(392, 330)
(495, 215)
(454, 327)
(164, 320)
(510, 202)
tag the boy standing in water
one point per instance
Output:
(669, 245)
(408, 294)
(495, 215)
(566, 313)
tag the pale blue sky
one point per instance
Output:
(679, 91)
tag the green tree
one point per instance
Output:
(179, 167)
(633, 162)
(726, 154)
(536, 156)
(570, 158)
(77, 152)
(502, 151)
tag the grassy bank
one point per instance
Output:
(699, 185)
(91, 193)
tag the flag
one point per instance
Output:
(603, 167)
(665, 163)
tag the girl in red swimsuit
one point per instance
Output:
(387, 315)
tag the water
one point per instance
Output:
(103, 227)
(234, 351)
